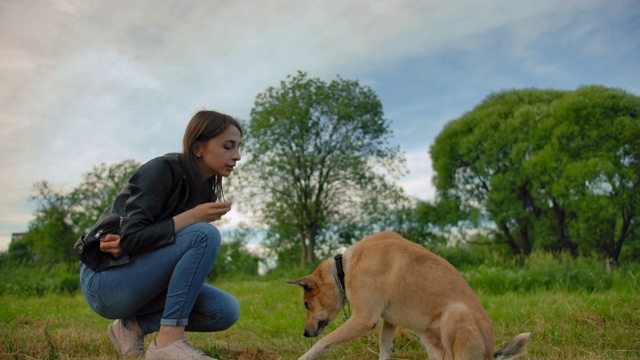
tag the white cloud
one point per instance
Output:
(418, 182)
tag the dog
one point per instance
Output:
(386, 276)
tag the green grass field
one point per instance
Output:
(603, 324)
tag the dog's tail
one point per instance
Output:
(514, 348)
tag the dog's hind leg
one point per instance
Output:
(386, 340)
(462, 337)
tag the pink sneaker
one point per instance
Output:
(179, 350)
(127, 342)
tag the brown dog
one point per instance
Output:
(389, 277)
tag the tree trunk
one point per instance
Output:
(614, 253)
(515, 249)
(303, 250)
(564, 241)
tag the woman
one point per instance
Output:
(153, 278)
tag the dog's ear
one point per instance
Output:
(304, 282)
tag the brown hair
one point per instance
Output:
(203, 126)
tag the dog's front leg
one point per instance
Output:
(386, 340)
(351, 329)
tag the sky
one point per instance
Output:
(89, 82)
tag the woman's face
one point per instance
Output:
(219, 154)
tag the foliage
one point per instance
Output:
(317, 153)
(537, 276)
(97, 190)
(28, 280)
(442, 222)
(50, 236)
(492, 271)
(62, 215)
(235, 259)
(485, 267)
(548, 169)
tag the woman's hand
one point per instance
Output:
(211, 211)
(206, 212)
(111, 244)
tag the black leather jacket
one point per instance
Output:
(145, 208)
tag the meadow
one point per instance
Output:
(576, 310)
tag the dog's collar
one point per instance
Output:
(338, 273)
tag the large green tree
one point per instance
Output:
(318, 162)
(597, 163)
(551, 169)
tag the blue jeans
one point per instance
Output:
(165, 286)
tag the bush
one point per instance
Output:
(69, 283)
(471, 256)
(30, 280)
(542, 271)
(487, 271)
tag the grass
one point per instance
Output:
(602, 324)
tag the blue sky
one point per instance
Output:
(90, 82)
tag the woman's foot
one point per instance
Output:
(179, 350)
(127, 342)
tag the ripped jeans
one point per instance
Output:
(165, 286)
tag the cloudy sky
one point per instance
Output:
(84, 82)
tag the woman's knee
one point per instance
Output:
(219, 309)
(235, 310)
(231, 313)
(202, 233)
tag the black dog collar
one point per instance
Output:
(340, 271)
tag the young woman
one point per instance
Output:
(152, 278)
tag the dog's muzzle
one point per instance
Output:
(321, 325)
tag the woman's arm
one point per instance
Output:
(207, 212)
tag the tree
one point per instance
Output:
(598, 147)
(441, 222)
(235, 257)
(317, 153)
(63, 215)
(477, 161)
(49, 238)
(97, 190)
(547, 168)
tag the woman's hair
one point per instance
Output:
(203, 126)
